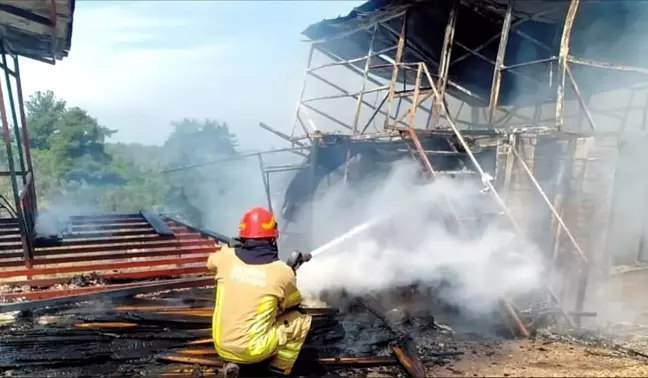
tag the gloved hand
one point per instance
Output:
(297, 258)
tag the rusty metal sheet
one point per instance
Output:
(100, 267)
(108, 247)
(102, 217)
(101, 244)
(46, 282)
(14, 245)
(174, 272)
(112, 256)
(107, 226)
(45, 294)
(99, 233)
(43, 282)
(160, 225)
(96, 222)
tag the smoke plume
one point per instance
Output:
(415, 246)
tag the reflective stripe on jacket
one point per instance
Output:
(249, 298)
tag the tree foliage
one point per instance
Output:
(75, 163)
(195, 142)
(45, 112)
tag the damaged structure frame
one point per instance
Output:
(404, 73)
(500, 146)
(41, 31)
(103, 251)
(21, 172)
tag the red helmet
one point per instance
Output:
(258, 223)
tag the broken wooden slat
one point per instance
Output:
(408, 357)
(217, 362)
(199, 312)
(106, 325)
(201, 342)
(199, 352)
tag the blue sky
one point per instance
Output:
(138, 65)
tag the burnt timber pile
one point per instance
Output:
(169, 334)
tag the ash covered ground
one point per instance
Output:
(50, 342)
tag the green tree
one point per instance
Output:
(195, 142)
(78, 145)
(74, 162)
(74, 141)
(44, 111)
(192, 141)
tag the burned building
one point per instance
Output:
(535, 101)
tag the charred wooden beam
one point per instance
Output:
(407, 355)
(183, 359)
(405, 349)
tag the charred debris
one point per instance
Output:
(515, 107)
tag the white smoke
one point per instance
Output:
(415, 246)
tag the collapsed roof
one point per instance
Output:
(374, 158)
(607, 31)
(40, 30)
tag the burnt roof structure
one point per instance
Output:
(40, 30)
(509, 93)
(533, 46)
(526, 72)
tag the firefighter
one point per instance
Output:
(254, 318)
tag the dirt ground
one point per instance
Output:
(624, 295)
(526, 358)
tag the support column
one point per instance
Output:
(562, 61)
(23, 117)
(266, 184)
(6, 135)
(301, 95)
(399, 56)
(29, 174)
(14, 117)
(363, 86)
(358, 108)
(642, 239)
(444, 64)
(499, 62)
(315, 144)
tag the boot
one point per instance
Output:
(230, 370)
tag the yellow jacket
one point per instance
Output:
(249, 299)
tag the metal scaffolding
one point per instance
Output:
(426, 94)
(42, 31)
